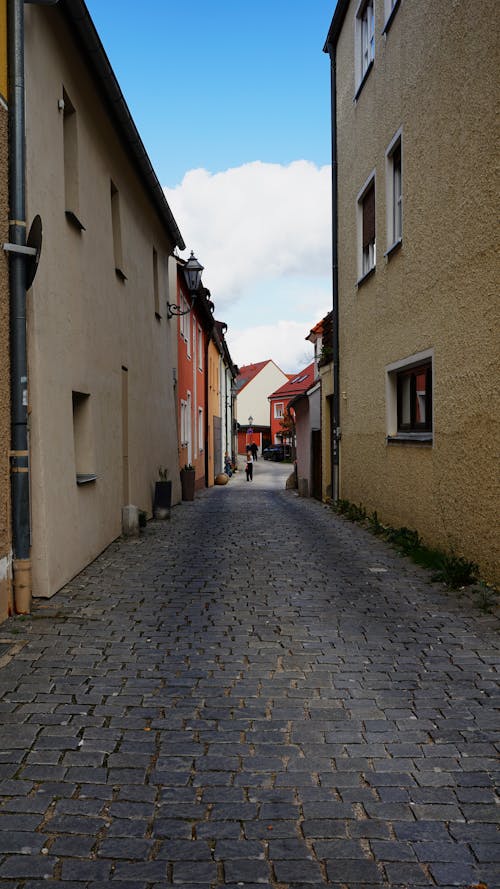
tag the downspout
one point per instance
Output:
(19, 453)
(19, 462)
(335, 419)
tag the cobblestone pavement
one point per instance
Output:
(254, 693)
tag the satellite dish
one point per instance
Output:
(34, 241)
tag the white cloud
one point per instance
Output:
(284, 342)
(256, 222)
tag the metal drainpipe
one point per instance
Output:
(336, 435)
(21, 535)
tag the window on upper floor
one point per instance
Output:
(71, 166)
(394, 193)
(116, 225)
(366, 230)
(201, 430)
(156, 285)
(365, 41)
(409, 399)
(390, 8)
(200, 348)
(279, 410)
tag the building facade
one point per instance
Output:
(101, 388)
(255, 382)
(415, 140)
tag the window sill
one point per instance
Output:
(390, 18)
(120, 274)
(84, 478)
(405, 438)
(363, 81)
(393, 248)
(74, 221)
(361, 281)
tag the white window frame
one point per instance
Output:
(390, 7)
(200, 348)
(364, 36)
(189, 427)
(279, 405)
(394, 192)
(391, 396)
(201, 430)
(367, 258)
(183, 422)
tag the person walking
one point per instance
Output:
(249, 465)
(255, 451)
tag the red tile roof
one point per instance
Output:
(299, 383)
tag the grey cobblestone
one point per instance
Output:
(218, 705)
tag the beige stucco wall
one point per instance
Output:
(85, 324)
(252, 400)
(433, 77)
(5, 534)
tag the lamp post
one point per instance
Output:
(192, 274)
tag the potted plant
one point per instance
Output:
(163, 495)
(187, 481)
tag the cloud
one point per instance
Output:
(256, 222)
(284, 342)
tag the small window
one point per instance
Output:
(366, 221)
(365, 40)
(278, 410)
(394, 193)
(82, 438)
(184, 423)
(156, 285)
(200, 348)
(117, 232)
(390, 7)
(71, 167)
(409, 399)
(415, 399)
(201, 430)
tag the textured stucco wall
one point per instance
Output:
(433, 77)
(326, 378)
(85, 324)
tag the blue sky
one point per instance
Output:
(228, 97)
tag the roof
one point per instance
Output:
(84, 29)
(249, 371)
(336, 24)
(299, 384)
(320, 328)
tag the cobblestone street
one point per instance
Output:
(253, 693)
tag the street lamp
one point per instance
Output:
(192, 274)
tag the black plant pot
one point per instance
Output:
(187, 483)
(163, 499)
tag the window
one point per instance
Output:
(390, 7)
(117, 232)
(366, 224)
(186, 323)
(415, 399)
(394, 190)
(82, 438)
(156, 286)
(201, 431)
(200, 348)
(410, 399)
(71, 170)
(184, 424)
(365, 40)
(278, 410)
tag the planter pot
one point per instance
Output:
(187, 483)
(163, 499)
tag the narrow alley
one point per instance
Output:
(253, 693)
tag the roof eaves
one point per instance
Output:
(336, 25)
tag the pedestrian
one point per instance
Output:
(249, 466)
(255, 451)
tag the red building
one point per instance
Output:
(281, 398)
